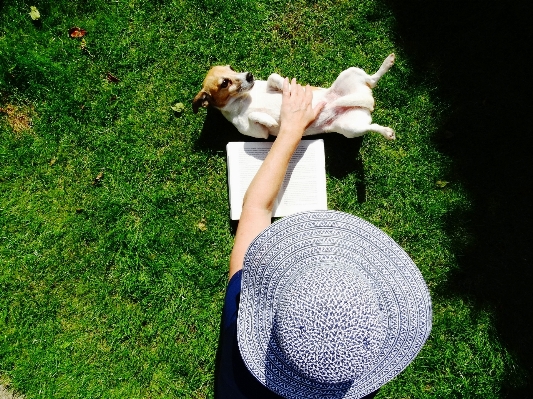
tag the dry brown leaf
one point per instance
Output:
(111, 78)
(76, 32)
(98, 178)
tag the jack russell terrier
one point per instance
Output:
(253, 106)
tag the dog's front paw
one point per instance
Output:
(262, 119)
(275, 82)
(389, 134)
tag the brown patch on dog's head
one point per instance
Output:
(221, 85)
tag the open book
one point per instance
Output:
(303, 189)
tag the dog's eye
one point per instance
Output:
(225, 83)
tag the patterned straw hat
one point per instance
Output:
(331, 307)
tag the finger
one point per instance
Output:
(286, 87)
(295, 93)
(294, 86)
(302, 94)
(308, 94)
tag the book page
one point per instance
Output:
(304, 186)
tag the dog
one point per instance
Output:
(253, 106)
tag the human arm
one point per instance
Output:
(297, 113)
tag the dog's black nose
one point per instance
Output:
(249, 77)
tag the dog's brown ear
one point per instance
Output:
(202, 99)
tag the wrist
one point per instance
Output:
(291, 131)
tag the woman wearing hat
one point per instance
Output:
(319, 304)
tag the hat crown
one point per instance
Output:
(303, 257)
(329, 324)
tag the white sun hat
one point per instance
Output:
(330, 307)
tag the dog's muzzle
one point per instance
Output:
(248, 83)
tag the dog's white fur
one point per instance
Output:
(253, 106)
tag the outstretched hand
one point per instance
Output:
(297, 112)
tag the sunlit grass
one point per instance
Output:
(114, 227)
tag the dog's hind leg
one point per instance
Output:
(387, 132)
(355, 124)
(356, 131)
(349, 80)
(389, 61)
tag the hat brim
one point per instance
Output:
(306, 240)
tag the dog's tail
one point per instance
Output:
(363, 100)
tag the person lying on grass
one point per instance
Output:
(319, 304)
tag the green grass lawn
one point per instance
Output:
(114, 227)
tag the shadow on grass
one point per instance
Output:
(217, 131)
(479, 50)
(342, 154)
